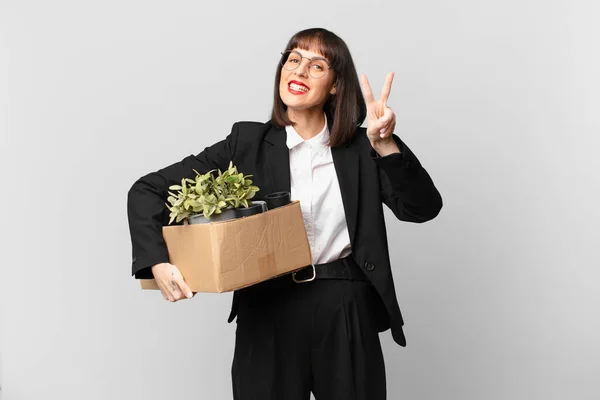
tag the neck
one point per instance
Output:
(308, 123)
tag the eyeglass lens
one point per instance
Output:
(316, 68)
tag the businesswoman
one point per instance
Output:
(316, 330)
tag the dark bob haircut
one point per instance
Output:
(346, 110)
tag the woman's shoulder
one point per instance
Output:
(251, 131)
(252, 126)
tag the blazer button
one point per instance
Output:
(369, 266)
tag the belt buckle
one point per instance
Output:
(305, 280)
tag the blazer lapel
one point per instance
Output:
(347, 168)
(345, 161)
(278, 159)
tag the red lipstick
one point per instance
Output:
(297, 92)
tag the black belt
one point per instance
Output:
(343, 268)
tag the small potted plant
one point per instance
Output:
(210, 198)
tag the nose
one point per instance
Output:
(302, 69)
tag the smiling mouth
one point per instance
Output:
(298, 88)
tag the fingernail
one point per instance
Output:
(382, 135)
(189, 295)
(384, 118)
(382, 130)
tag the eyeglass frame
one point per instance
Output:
(309, 61)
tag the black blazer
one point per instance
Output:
(259, 149)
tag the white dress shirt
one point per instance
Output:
(314, 183)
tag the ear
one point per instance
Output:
(332, 91)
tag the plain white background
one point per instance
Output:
(499, 100)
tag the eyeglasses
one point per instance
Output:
(317, 66)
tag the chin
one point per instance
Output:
(294, 106)
(291, 103)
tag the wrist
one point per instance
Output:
(385, 147)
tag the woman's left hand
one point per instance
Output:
(381, 120)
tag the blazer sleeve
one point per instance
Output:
(147, 212)
(406, 187)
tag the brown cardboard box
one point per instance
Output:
(228, 255)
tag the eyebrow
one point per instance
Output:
(312, 58)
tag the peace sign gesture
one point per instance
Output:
(381, 120)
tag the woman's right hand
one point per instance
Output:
(171, 283)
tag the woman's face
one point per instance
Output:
(299, 90)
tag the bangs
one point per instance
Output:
(316, 41)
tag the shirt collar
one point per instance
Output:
(320, 140)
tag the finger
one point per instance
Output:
(366, 88)
(384, 121)
(174, 282)
(387, 132)
(167, 295)
(177, 295)
(387, 88)
(168, 290)
(176, 291)
(389, 121)
(184, 288)
(173, 294)
(389, 114)
(164, 290)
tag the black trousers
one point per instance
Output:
(320, 336)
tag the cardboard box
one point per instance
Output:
(228, 255)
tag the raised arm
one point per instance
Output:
(406, 187)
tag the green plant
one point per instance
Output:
(209, 194)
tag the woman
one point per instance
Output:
(315, 330)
